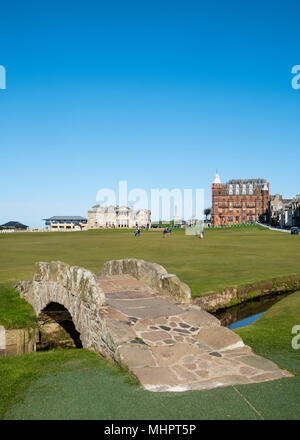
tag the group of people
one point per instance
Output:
(166, 231)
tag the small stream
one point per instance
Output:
(247, 312)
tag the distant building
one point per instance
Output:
(277, 206)
(66, 223)
(118, 217)
(14, 226)
(290, 215)
(239, 201)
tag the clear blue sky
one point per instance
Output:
(158, 93)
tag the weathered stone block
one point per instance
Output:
(199, 318)
(219, 338)
(134, 355)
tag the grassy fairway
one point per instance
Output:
(223, 258)
(79, 385)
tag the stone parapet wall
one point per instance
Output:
(17, 341)
(229, 296)
(77, 280)
(152, 274)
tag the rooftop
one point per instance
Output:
(65, 217)
(14, 225)
(257, 180)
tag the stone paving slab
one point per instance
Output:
(153, 307)
(130, 294)
(122, 283)
(175, 347)
(219, 338)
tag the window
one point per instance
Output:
(237, 218)
(230, 219)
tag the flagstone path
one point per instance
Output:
(177, 347)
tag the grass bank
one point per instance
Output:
(15, 312)
(271, 335)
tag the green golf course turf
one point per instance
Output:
(78, 384)
(223, 258)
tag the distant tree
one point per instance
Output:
(207, 212)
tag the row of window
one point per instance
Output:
(237, 193)
(238, 206)
(215, 198)
(237, 219)
(237, 212)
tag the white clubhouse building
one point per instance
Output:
(118, 217)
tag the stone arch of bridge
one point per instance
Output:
(57, 326)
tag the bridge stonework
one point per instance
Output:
(152, 274)
(73, 287)
(141, 317)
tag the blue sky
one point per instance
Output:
(157, 93)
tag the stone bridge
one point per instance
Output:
(141, 317)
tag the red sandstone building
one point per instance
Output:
(239, 201)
